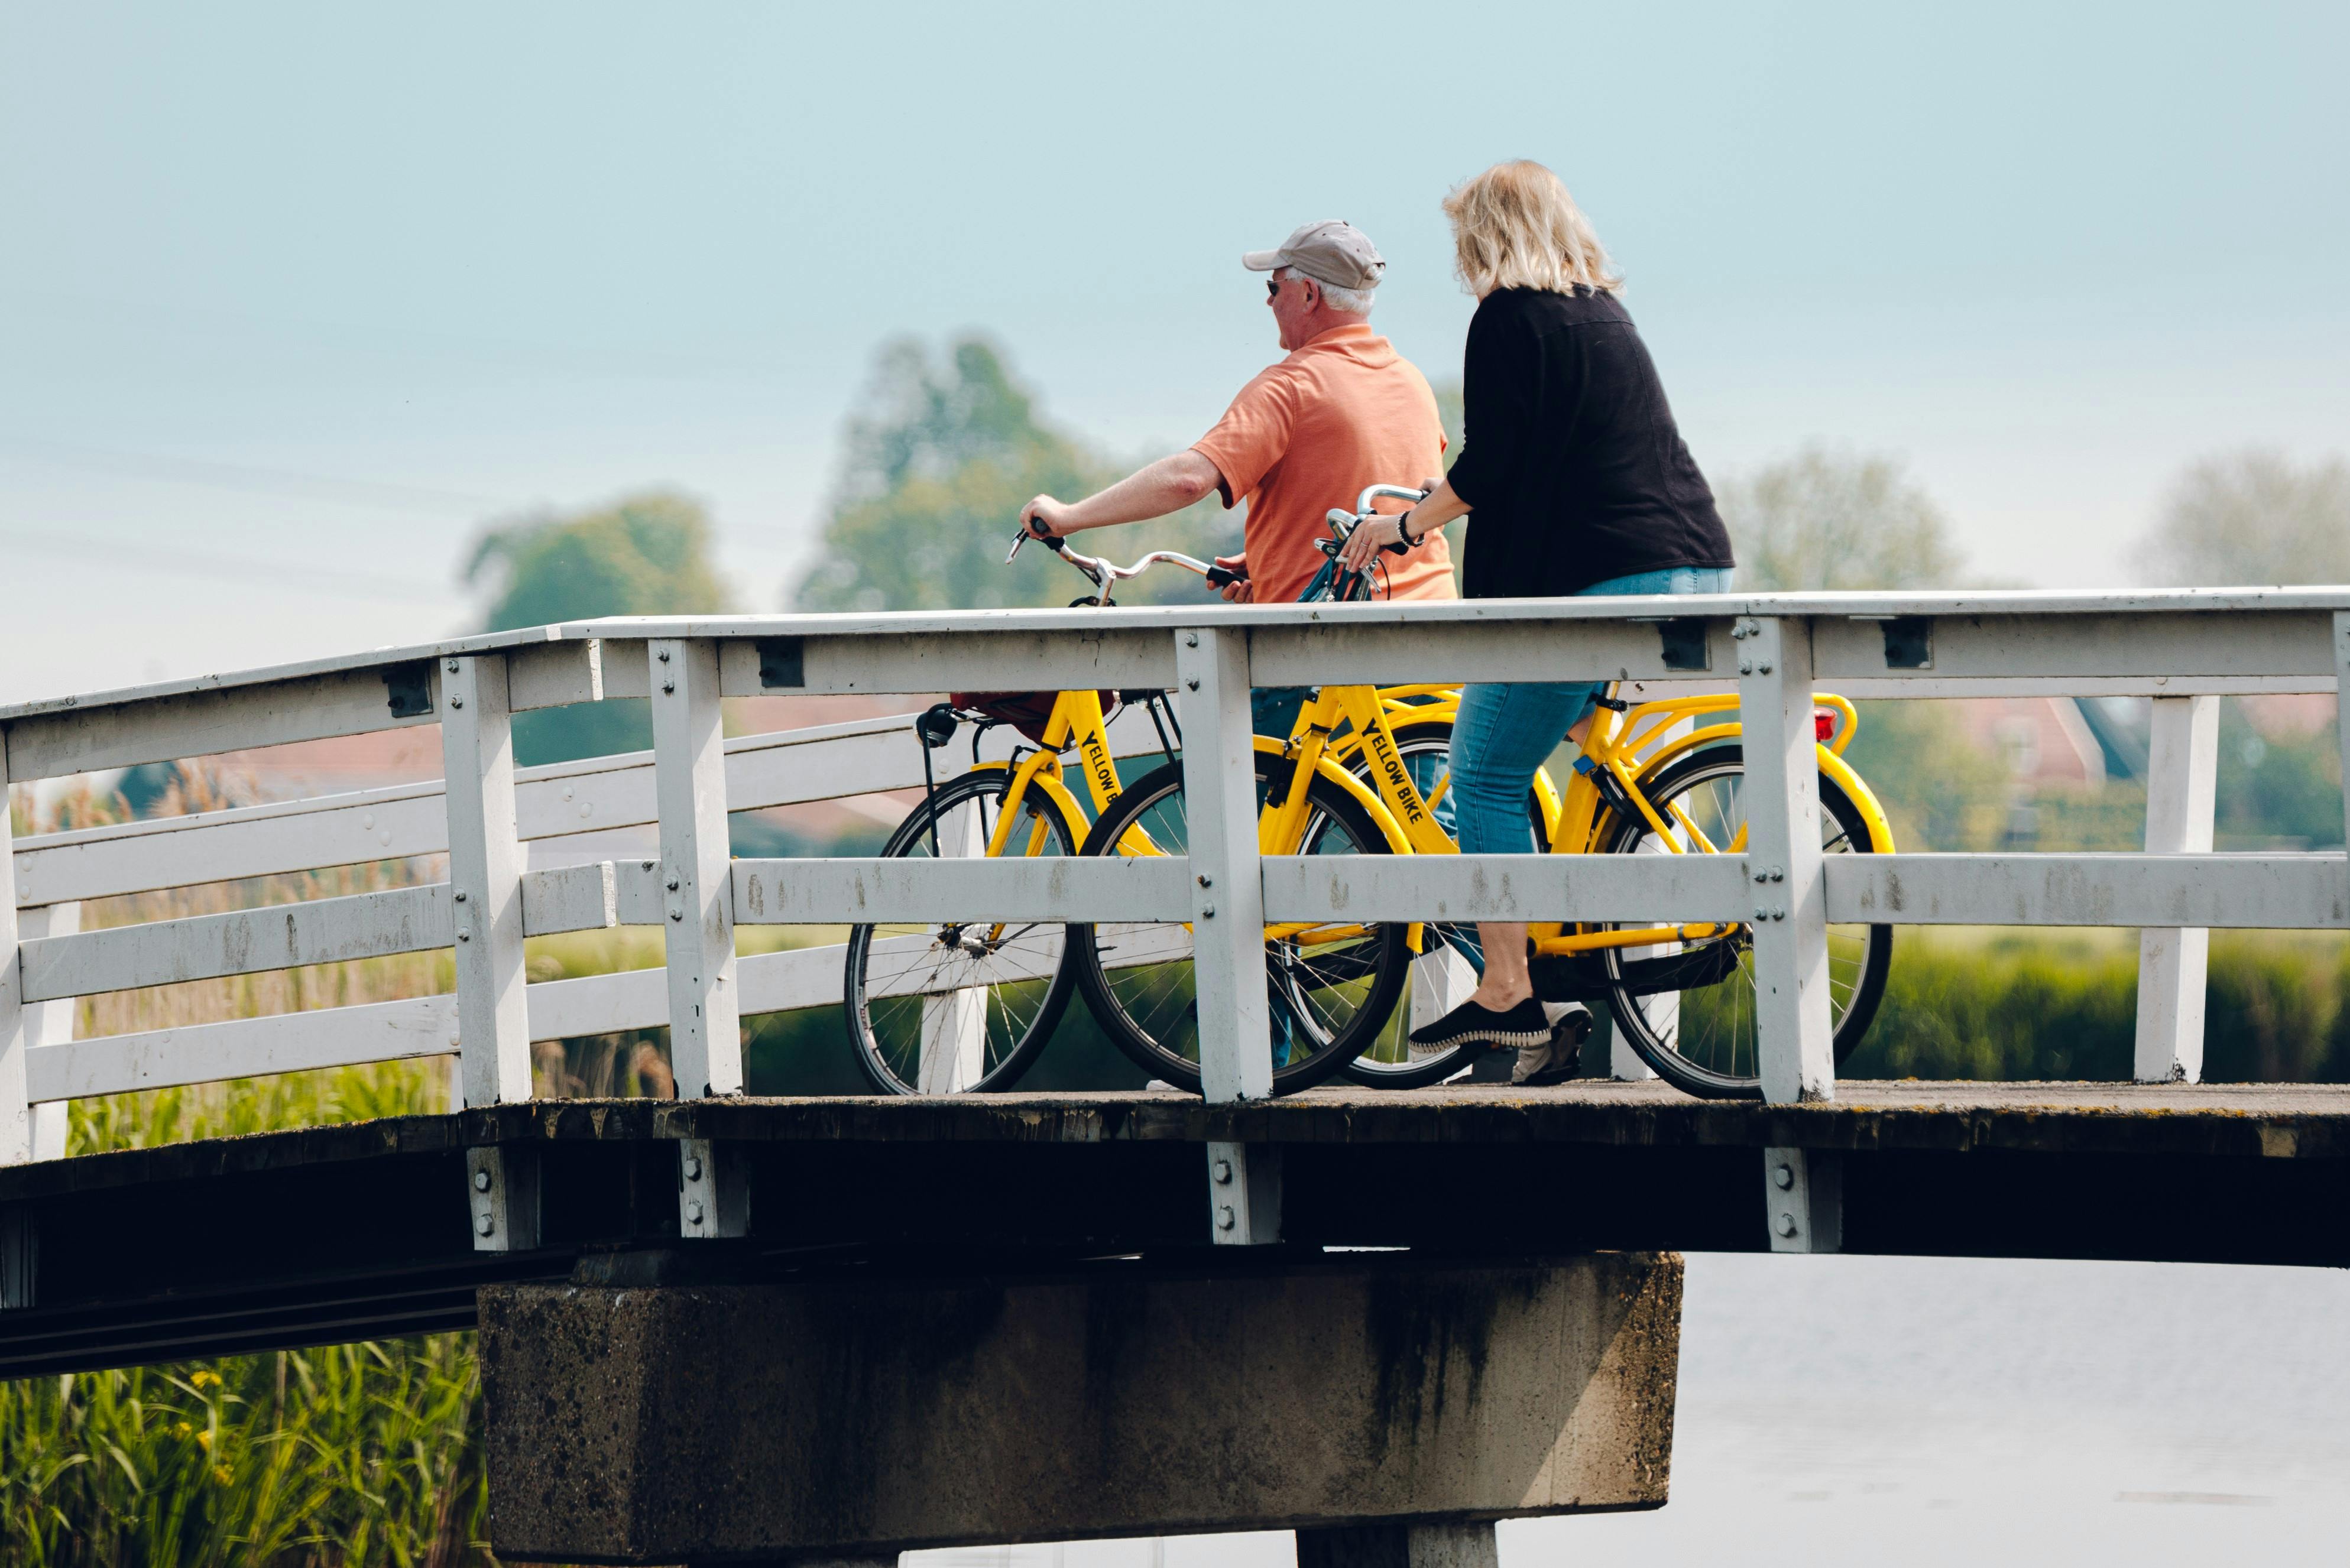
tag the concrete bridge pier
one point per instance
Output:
(1399, 1546)
(1387, 1407)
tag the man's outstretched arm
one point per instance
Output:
(1167, 486)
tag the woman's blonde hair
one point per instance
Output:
(1514, 226)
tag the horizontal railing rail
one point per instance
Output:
(523, 861)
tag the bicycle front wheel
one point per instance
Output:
(1688, 1007)
(1329, 987)
(962, 1007)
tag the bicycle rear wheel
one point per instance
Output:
(963, 1007)
(1329, 987)
(1688, 1007)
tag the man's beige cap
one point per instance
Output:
(1330, 251)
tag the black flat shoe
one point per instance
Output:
(1471, 1024)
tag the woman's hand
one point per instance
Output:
(1044, 517)
(1371, 536)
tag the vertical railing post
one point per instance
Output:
(485, 867)
(2342, 708)
(49, 1022)
(1227, 887)
(2181, 778)
(954, 1022)
(697, 888)
(1780, 796)
(1228, 922)
(16, 1110)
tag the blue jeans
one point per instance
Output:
(1505, 733)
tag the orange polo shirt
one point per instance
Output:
(1343, 413)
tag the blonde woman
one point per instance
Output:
(1580, 483)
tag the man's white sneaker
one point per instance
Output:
(1555, 1059)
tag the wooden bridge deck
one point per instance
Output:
(362, 1229)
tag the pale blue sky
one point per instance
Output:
(292, 298)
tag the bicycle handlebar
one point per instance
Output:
(1104, 572)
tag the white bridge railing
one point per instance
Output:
(2184, 650)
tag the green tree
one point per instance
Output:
(2281, 791)
(1823, 519)
(2254, 517)
(643, 555)
(941, 458)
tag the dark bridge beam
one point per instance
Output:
(337, 1233)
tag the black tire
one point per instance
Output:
(1333, 1000)
(1443, 960)
(1718, 1061)
(1386, 1061)
(883, 1001)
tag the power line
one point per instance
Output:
(249, 480)
(125, 555)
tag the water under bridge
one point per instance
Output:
(727, 1328)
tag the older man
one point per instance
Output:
(1342, 413)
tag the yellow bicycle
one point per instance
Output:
(967, 1007)
(1664, 778)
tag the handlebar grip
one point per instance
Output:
(1218, 576)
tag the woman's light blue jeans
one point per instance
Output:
(1505, 733)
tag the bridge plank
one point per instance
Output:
(289, 936)
(786, 767)
(783, 981)
(1507, 887)
(2258, 893)
(924, 892)
(240, 713)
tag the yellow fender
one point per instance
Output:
(1832, 765)
(1354, 788)
(1059, 793)
(1880, 831)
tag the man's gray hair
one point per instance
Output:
(1354, 301)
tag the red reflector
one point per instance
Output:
(1823, 726)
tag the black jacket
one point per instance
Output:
(1571, 461)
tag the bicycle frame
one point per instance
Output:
(1076, 720)
(1637, 745)
(1631, 746)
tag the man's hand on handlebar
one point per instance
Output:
(1043, 518)
(1236, 585)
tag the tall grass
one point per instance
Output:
(345, 1455)
(354, 1454)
